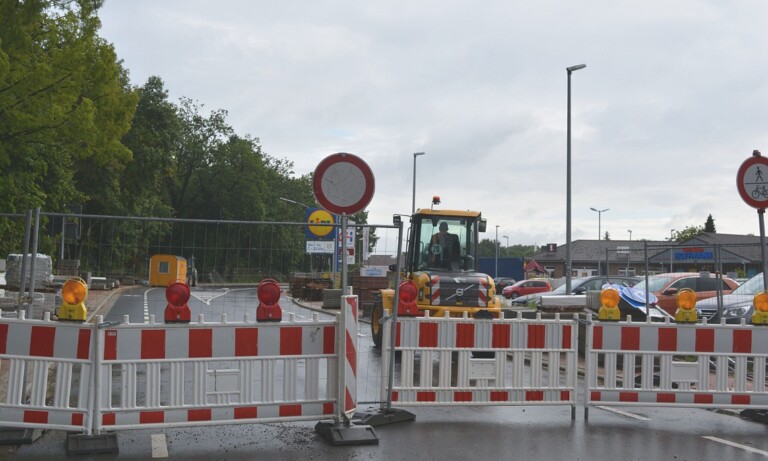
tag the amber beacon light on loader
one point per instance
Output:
(440, 272)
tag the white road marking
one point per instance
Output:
(736, 445)
(146, 306)
(159, 446)
(623, 413)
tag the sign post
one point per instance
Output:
(343, 184)
(751, 180)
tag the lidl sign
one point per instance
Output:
(315, 218)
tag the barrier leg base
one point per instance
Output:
(18, 436)
(81, 444)
(345, 434)
(379, 417)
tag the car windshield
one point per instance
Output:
(751, 286)
(655, 283)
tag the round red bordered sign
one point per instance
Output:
(343, 183)
(752, 181)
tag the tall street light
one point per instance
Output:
(570, 70)
(599, 219)
(413, 200)
(507, 240)
(630, 234)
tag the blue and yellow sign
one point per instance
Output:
(315, 217)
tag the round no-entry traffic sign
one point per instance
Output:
(343, 184)
(752, 179)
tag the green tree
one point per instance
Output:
(65, 104)
(687, 233)
(709, 226)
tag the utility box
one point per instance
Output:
(166, 269)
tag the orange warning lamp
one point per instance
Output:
(609, 305)
(760, 301)
(407, 305)
(177, 311)
(73, 294)
(686, 306)
(269, 301)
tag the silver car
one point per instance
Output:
(736, 306)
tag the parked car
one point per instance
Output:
(666, 287)
(526, 287)
(736, 306)
(503, 282)
(579, 286)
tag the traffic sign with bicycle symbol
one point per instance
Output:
(752, 181)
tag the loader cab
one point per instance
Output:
(444, 240)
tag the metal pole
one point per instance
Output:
(496, 270)
(393, 318)
(671, 248)
(32, 265)
(413, 196)
(761, 218)
(568, 186)
(24, 253)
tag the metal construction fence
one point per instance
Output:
(230, 251)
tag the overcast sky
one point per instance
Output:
(673, 99)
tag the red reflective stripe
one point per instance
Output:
(290, 341)
(667, 339)
(425, 396)
(567, 329)
(3, 338)
(203, 414)
(397, 335)
(501, 336)
(153, 344)
(665, 398)
(565, 395)
(110, 345)
(499, 396)
(84, 344)
(39, 417)
(740, 399)
(465, 335)
(246, 342)
(536, 336)
(395, 396)
(41, 342)
(328, 408)
(630, 338)
(290, 410)
(703, 398)
(200, 343)
(462, 396)
(628, 396)
(108, 419)
(329, 340)
(246, 413)
(78, 419)
(597, 337)
(534, 396)
(151, 417)
(351, 354)
(742, 341)
(705, 340)
(427, 334)
(595, 396)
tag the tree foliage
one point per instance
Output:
(709, 225)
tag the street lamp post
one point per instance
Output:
(599, 219)
(630, 234)
(507, 241)
(671, 238)
(496, 271)
(570, 70)
(413, 200)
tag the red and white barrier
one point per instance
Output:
(349, 304)
(549, 348)
(630, 363)
(35, 350)
(223, 373)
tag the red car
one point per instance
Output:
(526, 287)
(666, 287)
